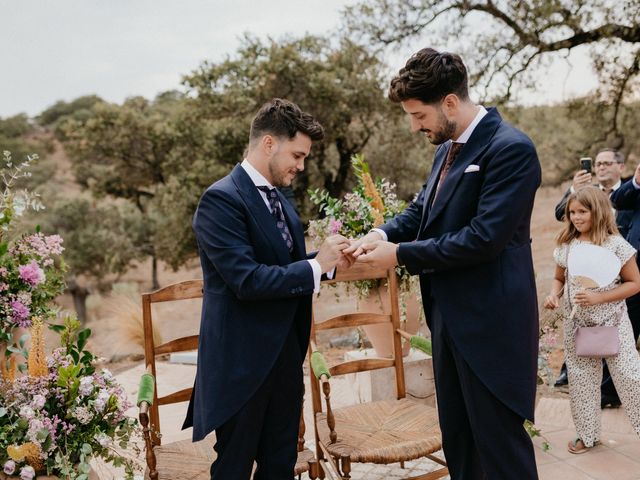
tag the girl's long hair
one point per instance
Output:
(603, 223)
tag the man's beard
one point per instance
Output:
(446, 131)
(277, 177)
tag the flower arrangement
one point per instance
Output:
(63, 412)
(31, 271)
(369, 205)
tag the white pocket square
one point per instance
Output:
(472, 168)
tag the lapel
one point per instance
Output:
(295, 227)
(258, 209)
(480, 138)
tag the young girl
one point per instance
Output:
(590, 220)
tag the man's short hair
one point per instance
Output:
(617, 154)
(429, 76)
(282, 118)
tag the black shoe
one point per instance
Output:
(610, 401)
(562, 379)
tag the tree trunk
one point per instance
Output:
(79, 294)
(155, 284)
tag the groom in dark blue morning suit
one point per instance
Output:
(256, 312)
(467, 236)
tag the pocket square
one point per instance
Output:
(472, 168)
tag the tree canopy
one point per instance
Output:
(506, 44)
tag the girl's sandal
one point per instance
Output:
(577, 446)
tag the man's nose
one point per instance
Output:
(415, 125)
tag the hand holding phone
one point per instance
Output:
(586, 164)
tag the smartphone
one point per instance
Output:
(586, 164)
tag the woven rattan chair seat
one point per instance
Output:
(383, 432)
(185, 460)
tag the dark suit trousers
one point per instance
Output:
(266, 427)
(633, 307)
(482, 438)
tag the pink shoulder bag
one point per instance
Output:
(594, 342)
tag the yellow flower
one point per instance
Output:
(372, 192)
(29, 451)
(37, 362)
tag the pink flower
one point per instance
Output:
(20, 314)
(334, 226)
(27, 473)
(31, 274)
(9, 467)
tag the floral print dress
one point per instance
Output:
(585, 374)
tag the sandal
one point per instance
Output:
(577, 446)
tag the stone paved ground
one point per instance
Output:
(617, 458)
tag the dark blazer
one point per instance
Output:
(472, 250)
(255, 291)
(627, 199)
(623, 216)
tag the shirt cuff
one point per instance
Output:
(317, 274)
(572, 190)
(633, 182)
(381, 232)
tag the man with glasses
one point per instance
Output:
(609, 166)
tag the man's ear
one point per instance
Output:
(269, 144)
(451, 104)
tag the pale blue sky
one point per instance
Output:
(60, 50)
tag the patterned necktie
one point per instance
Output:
(276, 211)
(451, 156)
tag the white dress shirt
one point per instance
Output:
(258, 180)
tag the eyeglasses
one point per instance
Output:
(604, 164)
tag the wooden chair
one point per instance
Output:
(182, 460)
(381, 432)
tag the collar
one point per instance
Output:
(464, 136)
(614, 188)
(256, 177)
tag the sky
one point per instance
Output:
(60, 50)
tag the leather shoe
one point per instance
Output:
(562, 379)
(610, 401)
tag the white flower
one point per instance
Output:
(27, 412)
(86, 386)
(38, 401)
(83, 415)
(103, 439)
(106, 374)
(101, 401)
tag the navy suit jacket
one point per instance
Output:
(472, 250)
(627, 198)
(255, 292)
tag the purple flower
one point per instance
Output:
(20, 314)
(9, 467)
(27, 473)
(31, 274)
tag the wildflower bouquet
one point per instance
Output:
(369, 205)
(31, 273)
(63, 413)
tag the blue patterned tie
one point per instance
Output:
(276, 211)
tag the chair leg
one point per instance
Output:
(345, 466)
(313, 469)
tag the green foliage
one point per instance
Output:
(339, 83)
(105, 245)
(78, 109)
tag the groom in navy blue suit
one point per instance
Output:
(467, 236)
(256, 312)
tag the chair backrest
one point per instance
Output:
(189, 289)
(356, 319)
